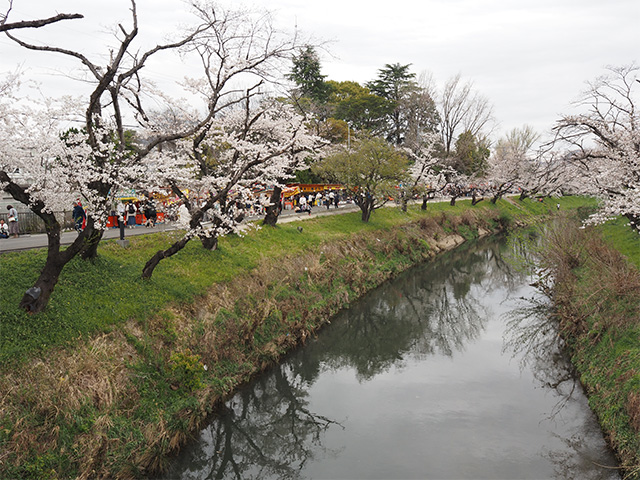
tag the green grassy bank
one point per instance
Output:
(597, 296)
(118, 372)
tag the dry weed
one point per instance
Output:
(468, 218)
(633, 410)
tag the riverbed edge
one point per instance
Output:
(595, 298)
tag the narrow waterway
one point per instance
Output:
(414, 382)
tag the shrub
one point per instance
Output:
(187, 370)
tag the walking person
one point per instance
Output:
(14, 229)
(131, 214)
(79, 216)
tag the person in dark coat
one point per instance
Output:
(150, 213)
(78, 216)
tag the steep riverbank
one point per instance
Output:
(595, 290)
(116, 402)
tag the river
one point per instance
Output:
(417, 380)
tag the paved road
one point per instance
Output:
(27, 242)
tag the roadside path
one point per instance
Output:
(39, 240)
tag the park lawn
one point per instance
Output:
(622, 238)
(93, 297)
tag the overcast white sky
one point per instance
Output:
(531, 58)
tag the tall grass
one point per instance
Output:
(597, 296)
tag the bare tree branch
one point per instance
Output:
(5, 27)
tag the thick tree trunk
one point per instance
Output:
(453, 201)
(274, 208)
(425, 199)
(209, 243)
(37, 297)
(475, 200)
(90, 249)
(366, 204)
(366, 214)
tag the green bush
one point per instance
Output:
(187, 370)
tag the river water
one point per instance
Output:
(415, 381)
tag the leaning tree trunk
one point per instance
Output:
(37, 297)
(474, 199)
(153, 262)
(274, 208)
(208, 242)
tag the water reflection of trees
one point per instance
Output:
(531, 335)
(433, 309)
(268, 431)
(264, 431)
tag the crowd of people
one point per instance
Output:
(304, 202)
(129, 212)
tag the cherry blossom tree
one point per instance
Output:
(550, 173)
(426, 170)
(511, 162)
(604, 140)
(98, 159)
(456, 185)
(245, 148)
